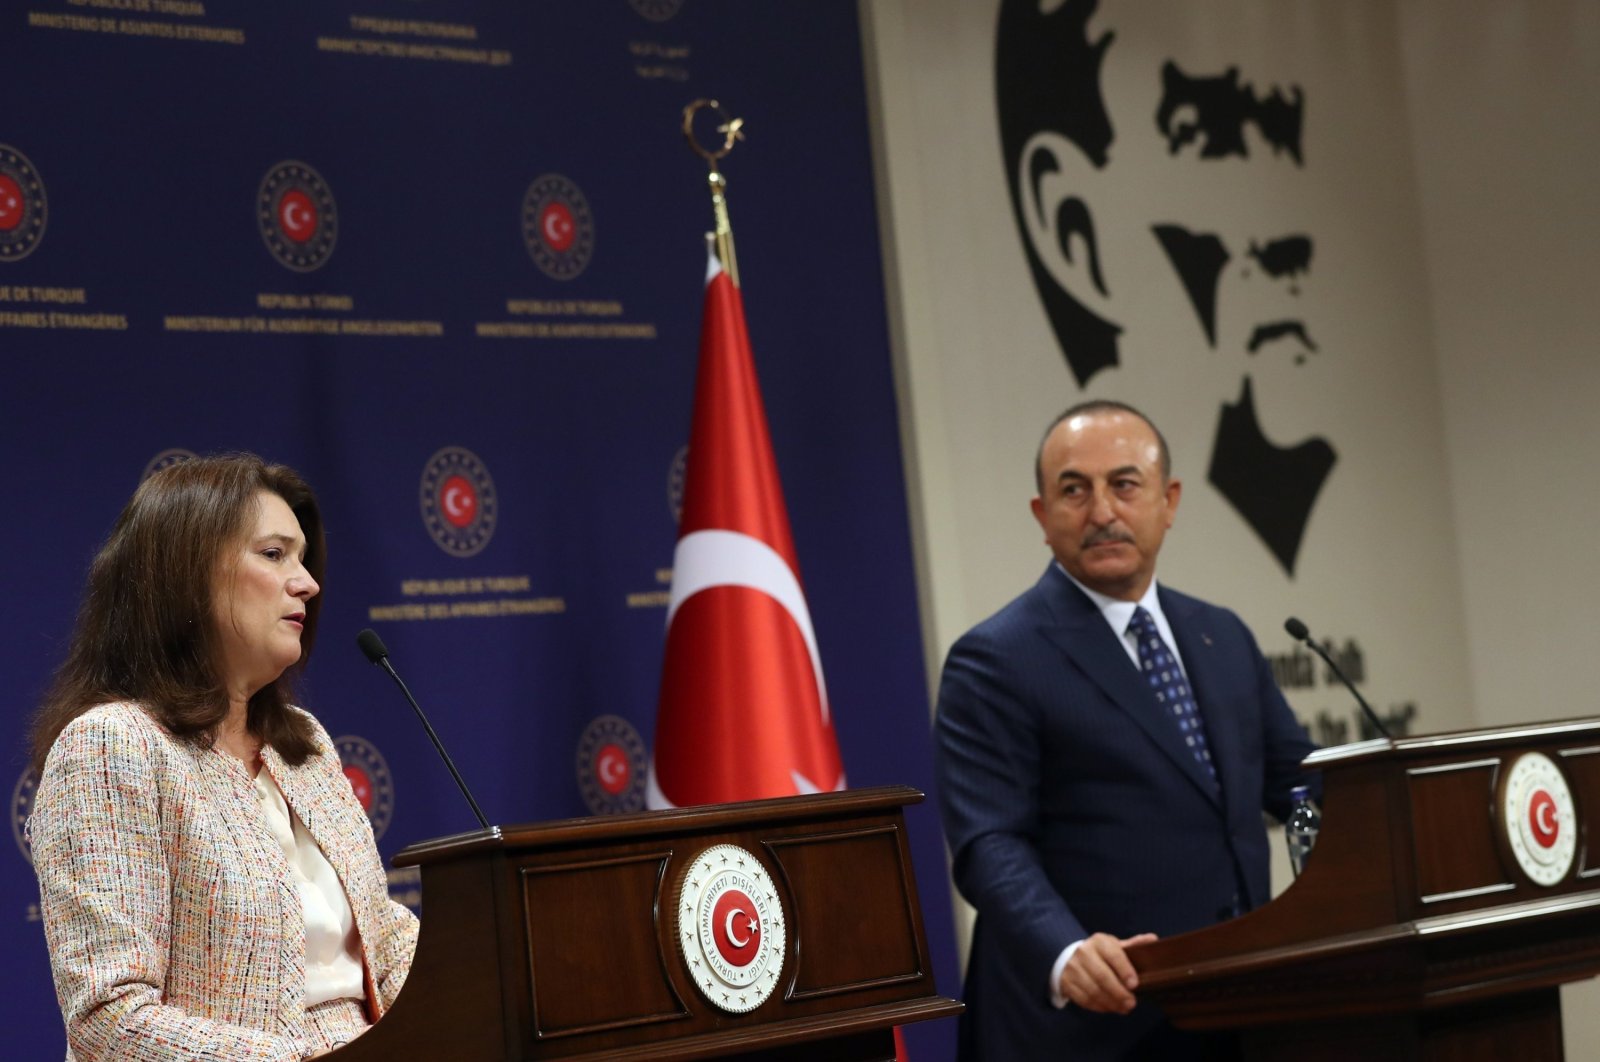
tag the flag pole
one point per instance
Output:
(732, 130)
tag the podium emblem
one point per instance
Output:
(1538, 818)
(731, 928)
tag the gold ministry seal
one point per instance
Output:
(731, 928)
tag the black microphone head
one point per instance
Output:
(1296, 629)
(372, 645)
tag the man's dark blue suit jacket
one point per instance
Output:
(1072, 805)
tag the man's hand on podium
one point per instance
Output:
(1099, 976)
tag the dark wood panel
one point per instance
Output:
(593, 947)
(1392, 1039)
(1453, 831)
(843, 944)
(453, 974)
(1519, 1028)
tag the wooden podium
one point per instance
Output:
(1452, 890)
(577, 939)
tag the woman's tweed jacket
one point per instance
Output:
(175, 928)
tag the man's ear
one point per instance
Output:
(1055, 183)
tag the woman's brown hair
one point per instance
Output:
(146, 630)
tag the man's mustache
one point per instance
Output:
(1108, 535)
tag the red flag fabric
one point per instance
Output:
(743, 712)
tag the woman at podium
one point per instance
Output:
(209, 884)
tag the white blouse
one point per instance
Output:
(333, 948)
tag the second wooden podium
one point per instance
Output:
(1453, 889)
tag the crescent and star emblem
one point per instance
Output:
(295, 217)
(1538, 818)
(557, 225)
(611, 766)
(457, 502)
(732, 934)
(298, 215)
(731, 927)
(298, 218)
(22, 205)
(1544, 818)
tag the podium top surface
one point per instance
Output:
(1451, 741)
(702, 818)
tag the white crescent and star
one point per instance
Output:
(1544, 815)
(295, 216)
(556, 227)
(453, 503)
(728, 930)
(612, 770)
(707, 559)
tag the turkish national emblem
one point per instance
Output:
(558, 226)
(23, 209)
(459, 505)
(1538, 819)
(731, 928)
(743, 712)
(296, 214)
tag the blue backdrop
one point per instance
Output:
(486, 275)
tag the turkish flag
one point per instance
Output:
(743, 712)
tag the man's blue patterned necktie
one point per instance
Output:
(1160, 669)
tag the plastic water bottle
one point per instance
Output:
(1301, 827)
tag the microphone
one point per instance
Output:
(1300, 633)
(376, 652)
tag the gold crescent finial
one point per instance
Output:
(732, 130)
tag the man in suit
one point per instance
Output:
(1105, 747)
